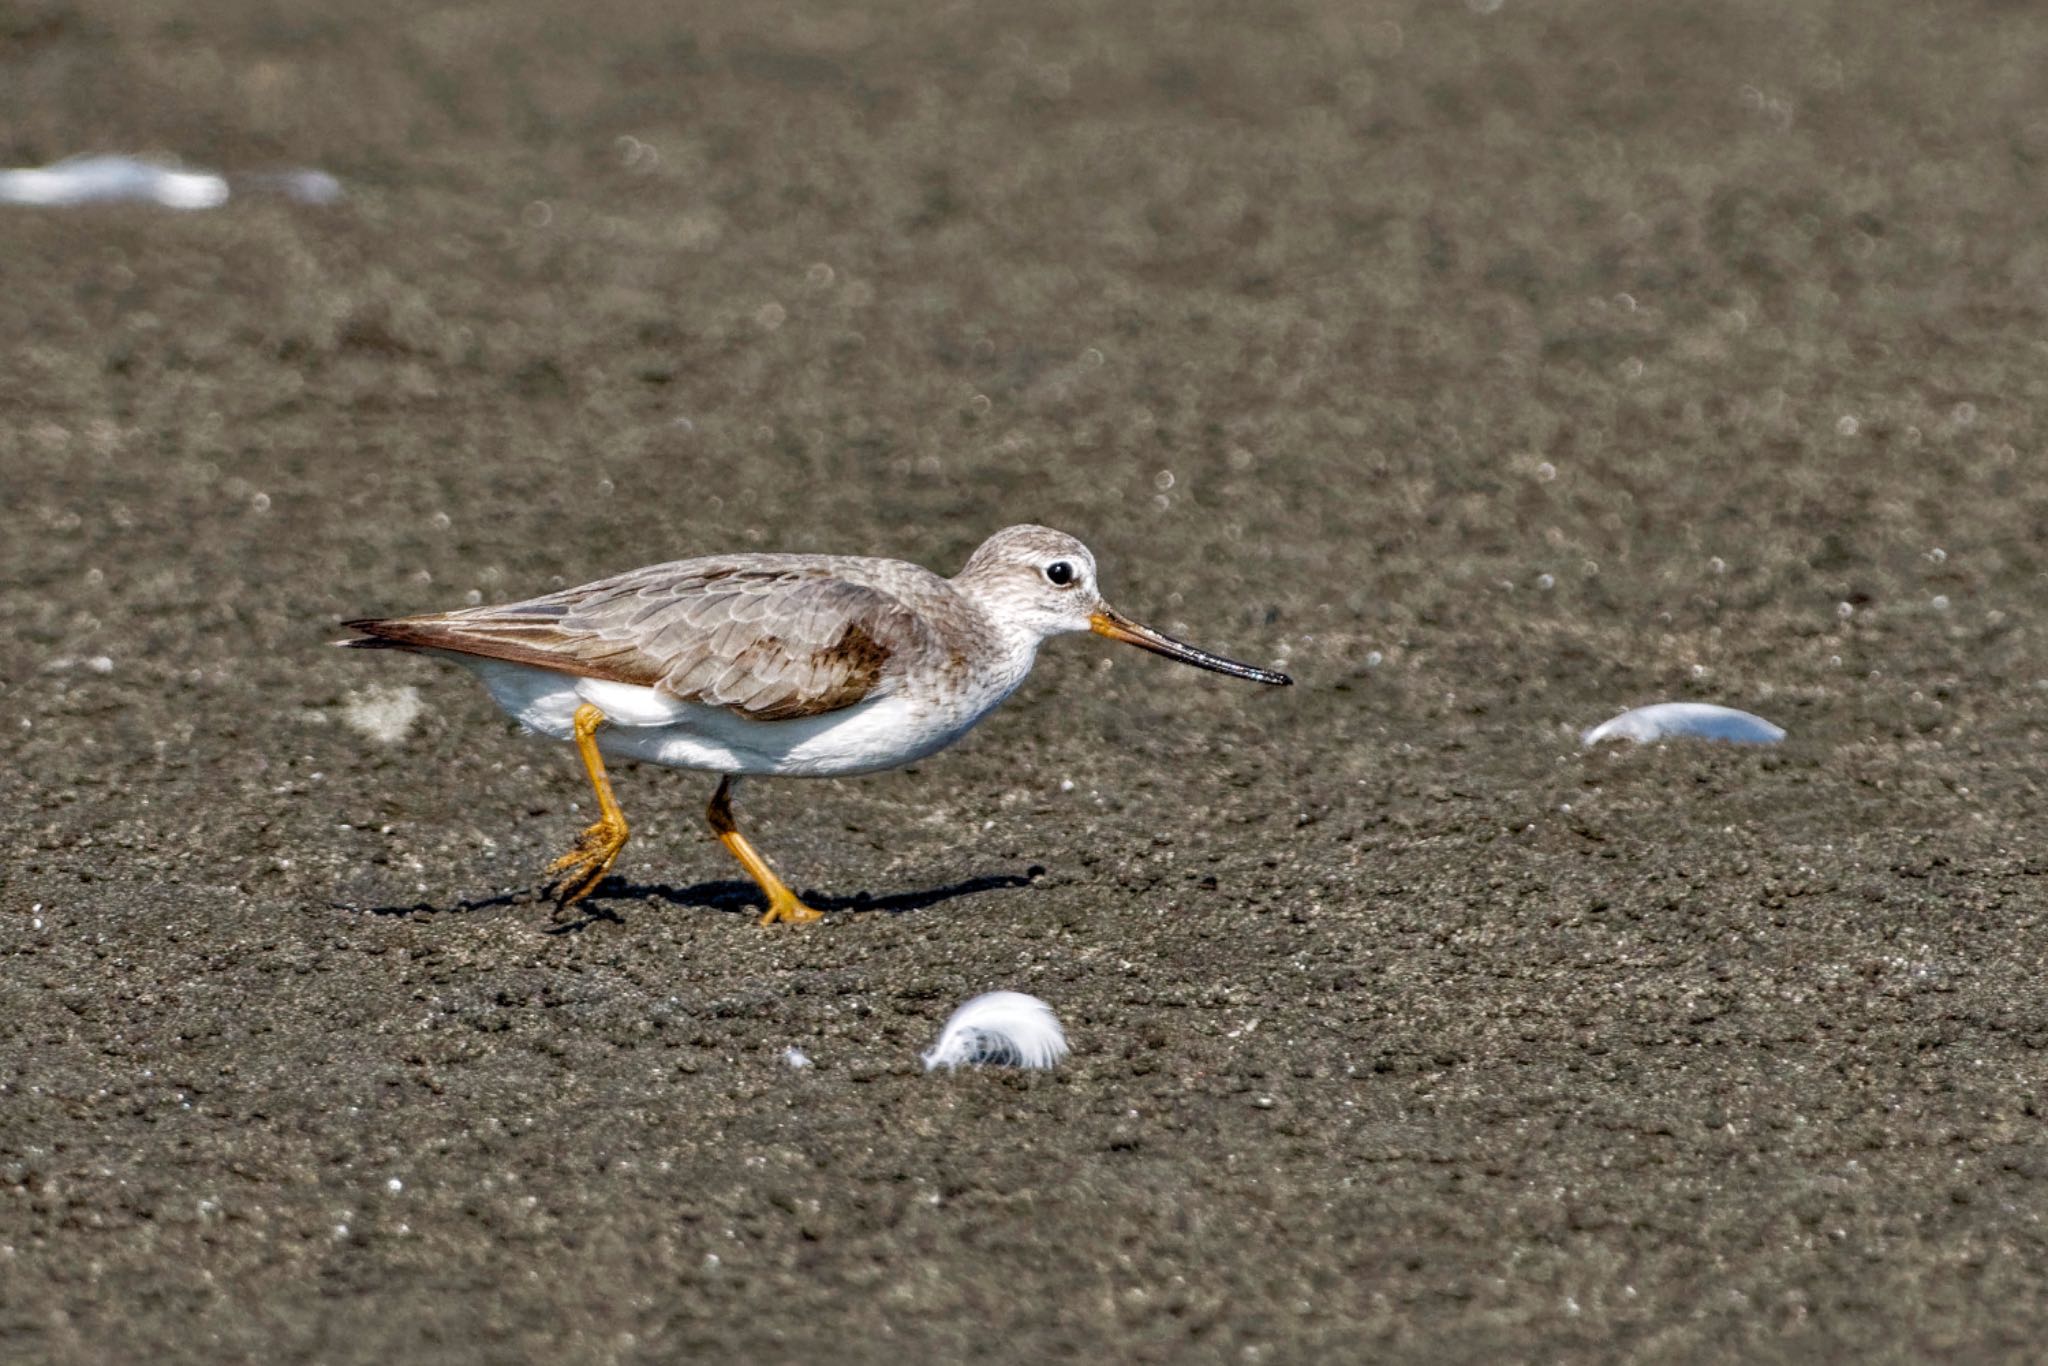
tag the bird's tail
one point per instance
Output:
(377, 634)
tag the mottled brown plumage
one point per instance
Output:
(769, 637)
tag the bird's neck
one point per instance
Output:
(1016, 643)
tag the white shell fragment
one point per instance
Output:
(1686, 721)
(126, 179)
(1000, 1029)
(796, 1057)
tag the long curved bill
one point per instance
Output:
(1114, 624)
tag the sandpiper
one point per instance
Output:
(805, 666)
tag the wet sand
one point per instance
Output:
(1490, 372)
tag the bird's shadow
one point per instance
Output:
(731, 896)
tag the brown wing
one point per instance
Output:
(770, 643)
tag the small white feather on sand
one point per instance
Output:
(1686, 721)
(1000, 1029)
(127, 179)
(111, 179)
(382, 712)
(796, 1057)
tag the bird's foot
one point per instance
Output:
(784, 906)
(576, 874)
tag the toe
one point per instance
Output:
(792, 911)
(595, 848)
(573, 889)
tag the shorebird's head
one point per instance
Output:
(1042, 582)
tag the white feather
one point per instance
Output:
(108, 179)
(1686, 721)
(382, 712)
(1002, 1029)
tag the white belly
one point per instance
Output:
(651, 726)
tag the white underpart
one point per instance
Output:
(1002, 1029)
(1686, 721)
(649, 725)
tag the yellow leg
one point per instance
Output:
(590, 858)
(782, 902)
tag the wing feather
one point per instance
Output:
(768, 642)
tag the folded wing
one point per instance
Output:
(769, 643)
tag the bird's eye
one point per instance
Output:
(1060, 573)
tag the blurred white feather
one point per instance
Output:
(1001, 1029)
(127, 179)
(107, 179)
(383, 712)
